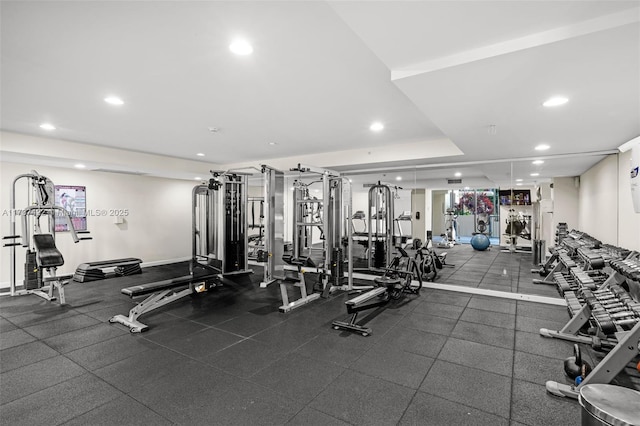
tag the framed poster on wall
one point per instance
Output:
(74, 200)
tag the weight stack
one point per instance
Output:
(32, 273)
(337, 266)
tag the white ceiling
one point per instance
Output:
(321, 72)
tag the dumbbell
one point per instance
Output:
(608, 322)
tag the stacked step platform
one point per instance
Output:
(94, 271)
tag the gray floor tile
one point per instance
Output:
(341, 348)
(297, 377)
(439, 310)
(35, 377)
(533, 325)
(77, 339)
(141, 368)
(84, 393)
(534, 343)
(15, 338)
(532, 405)
(311, 417)
(120, 411)
(61, 326)
(429, 323)
(496, 319)
(486, 334)
(493, 304)
(395, 365)
(245, 358)
(363, 400)
(413, 341)
(109, 351)
(41, 315)
(477, 355)
(6, 325)
(469, 386)
(539, 310)
(19, 356)
(426, 409)
(538, 369)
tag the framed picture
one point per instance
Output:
(74, 200)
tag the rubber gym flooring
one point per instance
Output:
(230, 358)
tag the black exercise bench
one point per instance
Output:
(165, 292)
(93, 271)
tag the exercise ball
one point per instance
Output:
(480, 242)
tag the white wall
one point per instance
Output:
(606, 208)
(157, 227)
(565, 202)
(628, 219)
(599, 201)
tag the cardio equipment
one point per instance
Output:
(396, 281)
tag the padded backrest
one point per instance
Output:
(48, 255)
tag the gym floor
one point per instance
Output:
(230, 358)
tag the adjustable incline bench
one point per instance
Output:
(92, 271)
(165, 292)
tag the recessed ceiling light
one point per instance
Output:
(47, 126)
(377, 126)
(214, 129)
(542, 147)
(466, 188)
(534, 174)
(114, 100)
(519, 184)
(518, 180)
(398, 177)
(241, 47)
(273, 143)
(200, 154)
(537, 162)
(79, 166)
(350, 180)
(555, 101)
(458, 174)
(197, 178)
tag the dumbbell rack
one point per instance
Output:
(616, 314)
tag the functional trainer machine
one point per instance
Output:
(380, 236)
(324, 253)
(219, 248)
(42, 252)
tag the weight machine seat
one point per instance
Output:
(299, 261)
(48, 254)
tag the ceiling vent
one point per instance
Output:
(122, 172)
(454, 181)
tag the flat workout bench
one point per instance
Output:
(162, 293)
(92, 271)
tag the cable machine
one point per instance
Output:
(273, 231)
(219, 235)
(39, 240)
(381, 217)
(330, 217)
